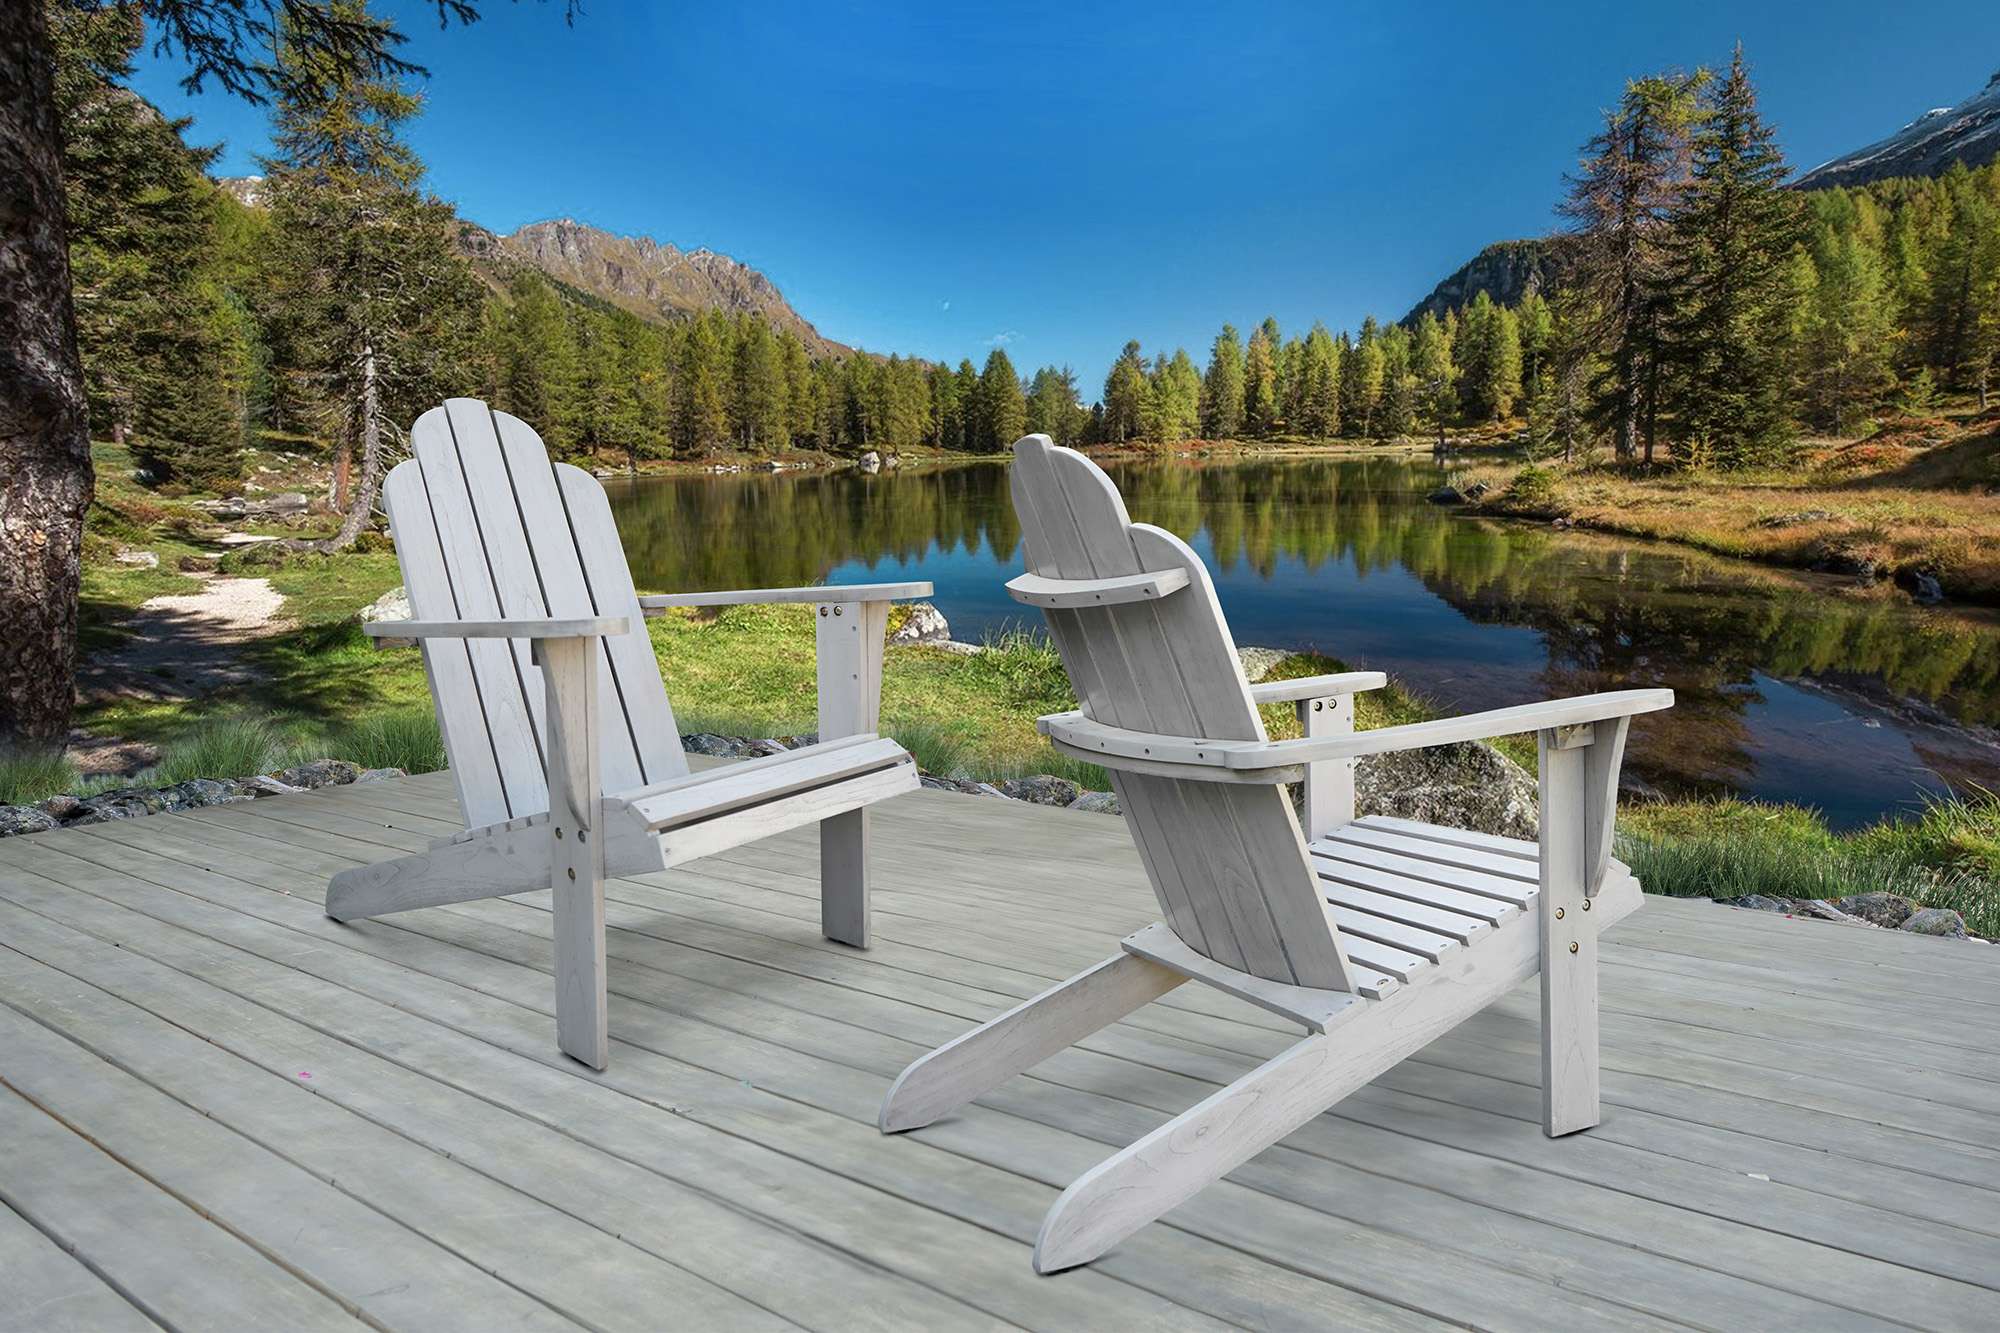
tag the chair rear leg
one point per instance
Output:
(1568, 945)
(1027, 1034)
(843, 878)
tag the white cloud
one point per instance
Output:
(1002, 339)
(944, 305)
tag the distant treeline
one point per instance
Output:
(1705, 315)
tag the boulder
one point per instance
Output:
(135, 802)
(1795, 519)
(724, 747)
(1446, 495)
(391, 605)
(1888, 910)
(60, 806)
(1935, 921)
(1257, 662)
(139, 559)
(316, 773)
(1097, 803)
(1758, 902)
(1921, 584)
(1826, 911)
(1477, 490)
(380, 774)
(19, 819)
(869, 462)
(266, 785)
(925, 625)
(1042, 789)
(1469, 785)
(963, 785)
(1845, 560)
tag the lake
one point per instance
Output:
(1791, 687)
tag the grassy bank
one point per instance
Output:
(324, 689)
(1917, 496)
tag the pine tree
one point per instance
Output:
(1002, 410)
(701, 421)
(1175, 399)
(1435, 374)
(1222, 388)
(1845, 364)
(1364, 379)
(165, 351)
(1728, 269)
(1260, 383)
(1319, 385)
(1535, 325)
(1127, 395)
(757, 396)
(1619, 201)
(378, 306)
(1394, 413)
(1490, 360)
(537, 365)
(1052, 407)
(1961, 278)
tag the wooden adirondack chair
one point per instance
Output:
(1375, 935)
(530, 628)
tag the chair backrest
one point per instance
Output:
(487, 527)
(1227, 860)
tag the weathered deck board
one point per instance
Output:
(1800, 1132)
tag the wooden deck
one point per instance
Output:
(220, 1110)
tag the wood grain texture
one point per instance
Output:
(1568, 937)
(576, 847)
(751, 1057)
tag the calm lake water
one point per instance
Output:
(1790, 687)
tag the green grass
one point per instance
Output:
(408, 739)
(1947, 855)
(226, 747)
(27, 776)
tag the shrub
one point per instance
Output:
(1534, 487)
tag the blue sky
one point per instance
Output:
(930, 179)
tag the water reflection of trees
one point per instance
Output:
(1609, 612)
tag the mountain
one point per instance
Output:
(652, 280)
(1968, 133)
(1507, 271)
(662, 283)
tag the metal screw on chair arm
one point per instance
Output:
(558, 833)
(1586, 904)
(572, 872)
(1572, 943)
(1559, 914)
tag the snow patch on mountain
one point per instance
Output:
(1968, 132)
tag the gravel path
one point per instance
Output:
(185, 646)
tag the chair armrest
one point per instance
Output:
(1190, 755)
(1550, 714)
(586, 627)
(1317, 687)
(849, 592)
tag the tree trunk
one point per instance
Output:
(45, 474)
(341, 488)
(361, 504)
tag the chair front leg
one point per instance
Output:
(1579, 794)
(576, 849)
(1329, 784)
(849, 643)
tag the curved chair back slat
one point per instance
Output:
(1227, 861)
(486, 527)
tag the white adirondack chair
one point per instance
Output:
(1375, 935)
(530, 629)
